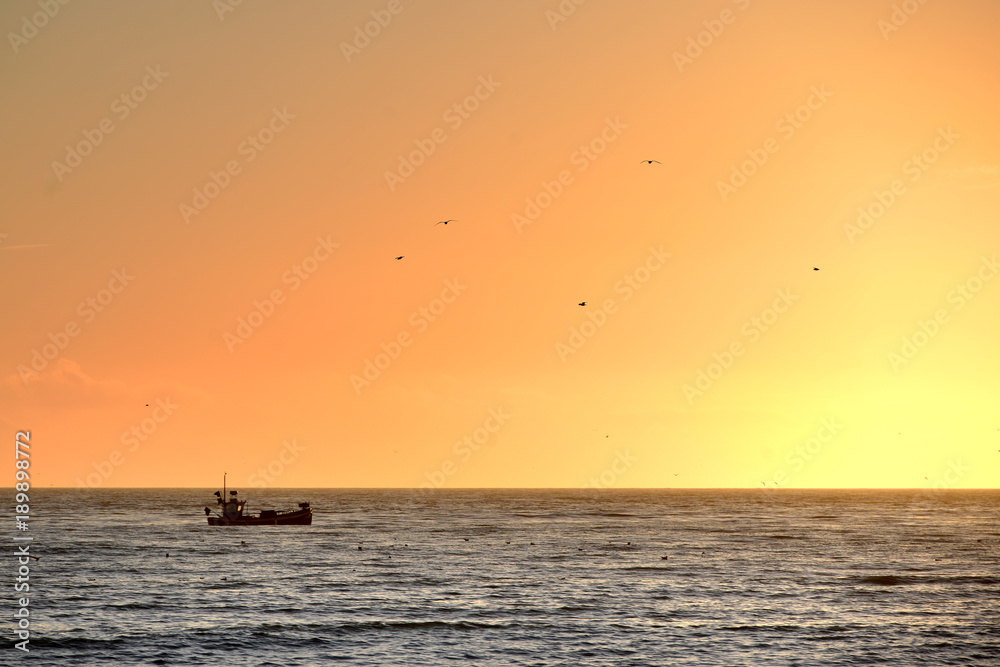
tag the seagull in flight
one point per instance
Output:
(649, 162)
(401, 257)
(582, 303)
(815, 269)
(444, 222)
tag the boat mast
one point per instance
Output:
(223, 487)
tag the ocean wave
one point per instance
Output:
(910, 579)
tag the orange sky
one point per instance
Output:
(173, 169)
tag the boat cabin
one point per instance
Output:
(233, 507)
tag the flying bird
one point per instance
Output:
(444, 222)
(401, 257)
(649, 162)
(582, 303)
(815, 269)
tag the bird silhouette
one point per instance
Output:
(582, 303)
(649, 161)
(444, 222)
(815, 269)
(401, 257)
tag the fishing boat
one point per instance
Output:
(235, 513)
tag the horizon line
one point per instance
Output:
(539, 488)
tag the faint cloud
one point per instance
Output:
(976, 177)
(63, 385)
(15, 247)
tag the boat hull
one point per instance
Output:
(301, 517)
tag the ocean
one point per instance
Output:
(515, 577)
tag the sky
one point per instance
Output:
(204, 203)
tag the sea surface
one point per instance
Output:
(497, 577)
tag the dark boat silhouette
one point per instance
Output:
(235, 513)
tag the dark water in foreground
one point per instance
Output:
(517, 578)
